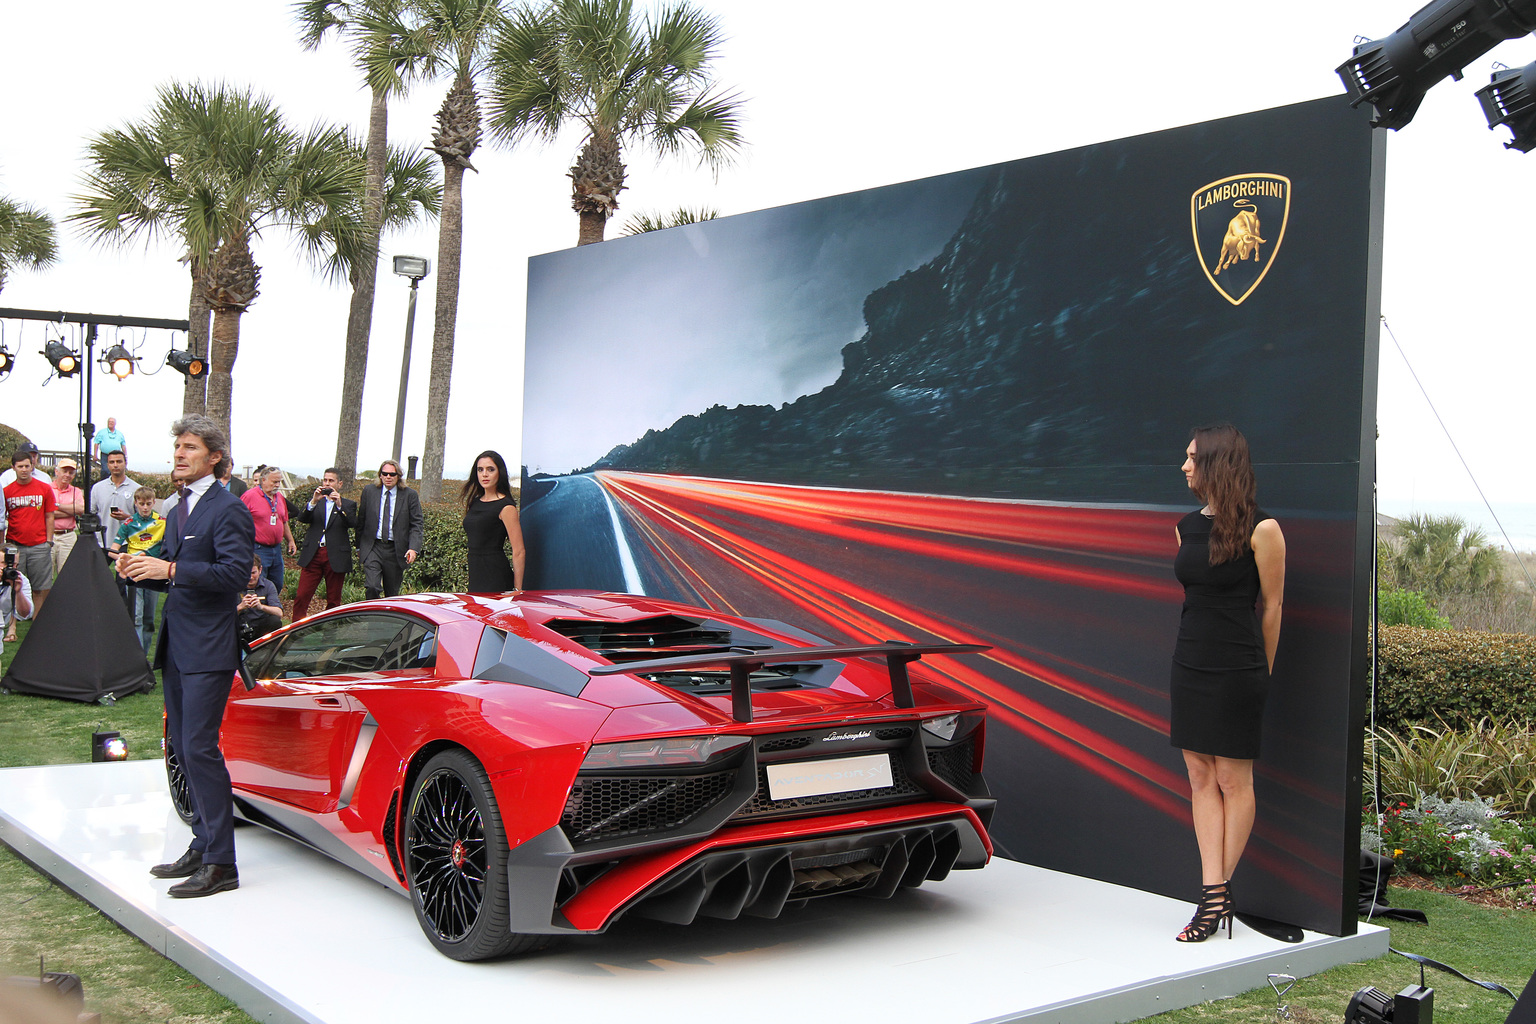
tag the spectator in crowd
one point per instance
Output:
(107, 441)
(68, 502)
(29, 511)
(388, 531)
(260, 607)
(231, 483)
(15, 598)
(9, 476)
(112, 497)
(327, 551)
(142, 534)
(269, 511)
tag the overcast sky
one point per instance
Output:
(840, 96)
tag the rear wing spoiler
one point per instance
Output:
(743, 663)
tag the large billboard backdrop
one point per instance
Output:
(955, 409)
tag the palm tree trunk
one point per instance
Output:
(194, 395)
(225, 345)
(592, 227)
(364, 282)
(450, 243)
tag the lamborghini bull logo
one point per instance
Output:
(1242, 239)
(1229, 244)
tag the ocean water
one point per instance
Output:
(1518, 519)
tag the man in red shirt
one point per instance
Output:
(29, 510)
(269, 510)
(69, 501)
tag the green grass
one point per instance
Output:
(1483, 943)
(128, 983)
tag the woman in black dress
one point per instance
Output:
(1231, 561)
(490, 518)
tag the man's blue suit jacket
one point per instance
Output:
(200, 624)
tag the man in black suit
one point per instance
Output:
(327, 550)
(388, 531)
(209, 543)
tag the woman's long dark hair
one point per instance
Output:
(1224, 481)
(473, 492)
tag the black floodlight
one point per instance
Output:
(1510, 98)
(65, 363)
(7, 361)
(186, 363)
(118, 361)
(108, 746)
(1394, 73)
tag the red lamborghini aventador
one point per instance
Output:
(541, 766)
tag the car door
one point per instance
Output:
(295, 737)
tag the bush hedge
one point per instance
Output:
(1425, 676)
(1408, 608)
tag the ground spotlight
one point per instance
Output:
(1394, 73)
(1413, 1005)
(108, 746)
(65, 363)
(1510, 98)
(187, 363)
(118, 361)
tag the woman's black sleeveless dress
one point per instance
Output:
(1220, 675)
(489, 570)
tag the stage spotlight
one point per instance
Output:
(1370, 1005)
(7, 362)
(187, 363)
(65, 363)
(1508, 99)
(118, 361)
(1413, 1005)
(108, 746)
(1394, 73)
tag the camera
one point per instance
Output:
(327, 491)
(249, 631)
(10, 573)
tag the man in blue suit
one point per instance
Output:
(209, 543)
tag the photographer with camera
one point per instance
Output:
(15, 591)
(327, 551)
(260, 607)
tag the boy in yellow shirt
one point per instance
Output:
(142, 534)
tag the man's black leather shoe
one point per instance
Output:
(182, 867)
(209, 879)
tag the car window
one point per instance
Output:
(343, 645)
(414, 647)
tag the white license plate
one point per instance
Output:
(818, 778)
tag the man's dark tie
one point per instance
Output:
(389, 515)
(182, 495)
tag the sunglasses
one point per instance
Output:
(389, 474)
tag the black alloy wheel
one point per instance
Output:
(456, 861)
(181, 796)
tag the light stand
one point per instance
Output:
(415, 268)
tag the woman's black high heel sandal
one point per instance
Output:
(1215, 907)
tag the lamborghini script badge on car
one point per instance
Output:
(542, 766)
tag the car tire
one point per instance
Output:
(176, 779)
(456, 862)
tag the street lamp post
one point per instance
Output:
(415, 268)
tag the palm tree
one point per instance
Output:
(461, 31)
(645, 221)
(213, 167)
(131, 191)
(390, 53)
(626, 81)
(1441, 555)
(27, 238)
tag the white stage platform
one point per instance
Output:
(304, 939)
